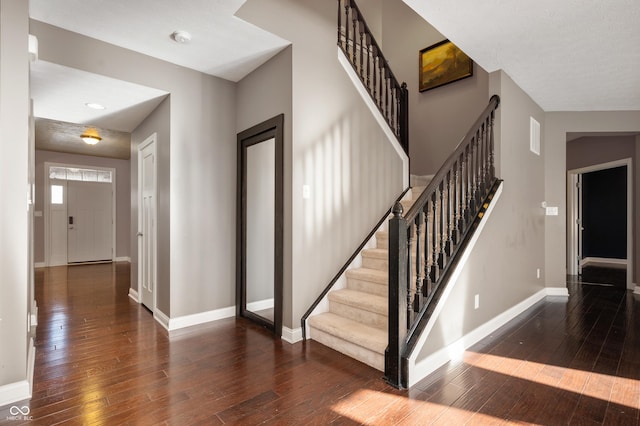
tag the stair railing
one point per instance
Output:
(423, 243)
(360, 47)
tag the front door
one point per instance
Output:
(89, 222)
(147, 219)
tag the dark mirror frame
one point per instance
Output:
(269, 129)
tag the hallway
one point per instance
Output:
(102, 359)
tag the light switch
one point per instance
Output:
(552, 211)
(306, 192)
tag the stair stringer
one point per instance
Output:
(418, 371)
(357, 83)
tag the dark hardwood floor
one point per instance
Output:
(102, 359)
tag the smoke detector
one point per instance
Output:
(181, 37)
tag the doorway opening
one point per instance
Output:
(80, 214)
(600, 223)
(259, 233)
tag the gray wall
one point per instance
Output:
(157, 122)
(14, 182)
(502, 267)
(338, 149)
(593, 150)
(261, 95)
(558, 124)
(123, 190)
(438, 118)
(200, 178)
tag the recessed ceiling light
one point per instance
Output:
(181, 37)
(94, 105)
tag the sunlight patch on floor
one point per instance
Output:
(617, 390)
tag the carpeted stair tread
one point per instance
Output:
(376, 253)
(355, 332)
(361, 300)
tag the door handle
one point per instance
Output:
(139, 234)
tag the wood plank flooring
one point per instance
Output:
(102, 360)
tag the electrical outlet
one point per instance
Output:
(306, 192)
(477, 301)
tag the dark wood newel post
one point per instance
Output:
(397, 297)
(404, 117)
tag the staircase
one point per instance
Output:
(379, 304)
(357, 321)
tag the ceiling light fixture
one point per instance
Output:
(94, 105)
(181, 37)
(91, 136)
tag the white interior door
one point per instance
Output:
(147, 220)
(90, 220)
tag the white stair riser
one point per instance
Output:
(363, 355)
(369, 318)
(368, 287)
(375, 263)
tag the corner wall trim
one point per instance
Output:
(161, 318)
(14, 392)
(291, 335)
(436, 360)
(133, 294)
(200, 318)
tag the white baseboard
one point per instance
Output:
(122, 259)
(34, 314)
(161, 318)
(291, 335)
(31, 364)
(133, 294)
(260, 305)
(604, 261)
(200, 318)
(39, 265)
(557, 291)
(14, 392)
(423, 368)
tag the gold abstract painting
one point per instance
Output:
(443, 63)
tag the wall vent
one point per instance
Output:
(534, 139)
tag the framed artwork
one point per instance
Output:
(443, 63)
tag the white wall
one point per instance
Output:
(502, 267)
(558, 124)
(14, 187)
(338, 149)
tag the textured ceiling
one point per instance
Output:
(221, 45)
(65, 137)
(568, 55)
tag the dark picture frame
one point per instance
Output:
(443, 63)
